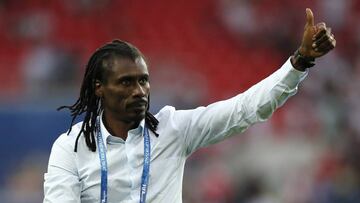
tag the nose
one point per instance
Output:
(139, 90)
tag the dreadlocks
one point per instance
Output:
(89, 103)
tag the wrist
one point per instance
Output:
(301, 62)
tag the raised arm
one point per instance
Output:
(207, 125)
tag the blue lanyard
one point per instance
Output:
(104, 169)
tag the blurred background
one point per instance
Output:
(198, 51)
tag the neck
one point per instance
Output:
(117, 127)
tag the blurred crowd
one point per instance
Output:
(198, 52)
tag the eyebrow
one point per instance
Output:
(130, 77)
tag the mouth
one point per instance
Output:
(139, 105)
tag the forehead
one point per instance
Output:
(120, 67)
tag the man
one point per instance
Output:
(122, 153)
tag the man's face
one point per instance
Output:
(125, 91)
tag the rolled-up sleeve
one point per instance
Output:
(62, 183)
(208, 125)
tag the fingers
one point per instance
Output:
(320, 30)
(325, 47)
(333, 41)
(331, 44)
(325, 42)
(309, 18)
(324, 36)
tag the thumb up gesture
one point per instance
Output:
(317, 39)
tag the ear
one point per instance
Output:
(98, 89)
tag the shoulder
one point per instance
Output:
(165, 116)
(169, 117)
(165, 112)
(66, 140)
(62, 157)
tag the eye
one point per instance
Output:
(125, 82)
(144, 80)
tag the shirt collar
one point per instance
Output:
(105, 133)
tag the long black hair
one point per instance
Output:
(89, 103)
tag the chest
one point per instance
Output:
(125, 165)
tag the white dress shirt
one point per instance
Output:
(74, 177)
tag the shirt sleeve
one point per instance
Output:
(62, 183)
(208, 125)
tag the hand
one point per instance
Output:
(317, 39)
